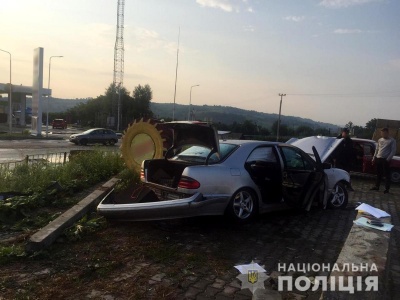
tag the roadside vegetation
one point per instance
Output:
(36, 193)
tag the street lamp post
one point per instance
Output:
(190, 102)
(10, 107)
(48, 96)
(279, 118)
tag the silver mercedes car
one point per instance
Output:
(201, 175)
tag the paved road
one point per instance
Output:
(16, 150)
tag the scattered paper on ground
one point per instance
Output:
(376, 212)
(364, 222)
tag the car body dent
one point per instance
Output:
(195, 205)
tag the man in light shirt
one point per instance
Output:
(384, 153)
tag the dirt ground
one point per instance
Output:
(176, 259)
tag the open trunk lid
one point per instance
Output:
(192, 133)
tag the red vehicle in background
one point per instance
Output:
(59, 123)
(364, 150)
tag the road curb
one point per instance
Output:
(48, 234)
(363, 247)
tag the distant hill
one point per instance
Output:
(228, 115)
(58, 104)
(213, 113)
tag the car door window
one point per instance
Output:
(367, 149)
(265, 154)
(294, 159)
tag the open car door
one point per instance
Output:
(302, 177)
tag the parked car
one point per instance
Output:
(202, 176)
(59, 123)
(95, 136)
(364, 150)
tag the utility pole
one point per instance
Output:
(10, 98)
(190, 114)
(118, 78)
(279, 118)
(48, 96)
(176, 74)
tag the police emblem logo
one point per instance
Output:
(252, 276)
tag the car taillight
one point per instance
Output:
(142, 175)
(188, 183)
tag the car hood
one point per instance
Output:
(324, 145)
(189, 133)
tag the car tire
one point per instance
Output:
(83, 142)
(112, 142)
(395, 175)
(339, 197)
(243, 206)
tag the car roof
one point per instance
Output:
(363, 140)
(243, 142)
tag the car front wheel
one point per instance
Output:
(339, 197)
(83, 142)
(243, 206)
(395, 175)
(111, 142)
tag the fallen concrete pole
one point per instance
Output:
(48, 234)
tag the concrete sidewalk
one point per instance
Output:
(391, 204)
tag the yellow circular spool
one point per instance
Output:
(141, 140)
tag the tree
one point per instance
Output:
(304, 130)
(283, 129)
(96, 111)
(142, 95)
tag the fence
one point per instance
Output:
(53, 159)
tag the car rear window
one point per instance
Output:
(198, 154)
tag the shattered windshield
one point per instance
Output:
(199, 154)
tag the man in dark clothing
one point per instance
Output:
(345, 156)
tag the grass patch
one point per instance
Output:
(10, 253)
(83, 170)
(45, 191)
(44, 185)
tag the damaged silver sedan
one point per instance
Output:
(200, 175)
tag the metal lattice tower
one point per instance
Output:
(118, 78)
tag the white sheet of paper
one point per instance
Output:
(243, 269)
(376, 212)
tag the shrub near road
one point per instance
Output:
(42, 186)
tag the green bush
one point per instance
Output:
(46, 184)
(83, 170)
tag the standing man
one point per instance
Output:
(384, 153)
(345, 156)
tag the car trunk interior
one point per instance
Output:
(165, 172)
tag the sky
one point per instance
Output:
(336, 60)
